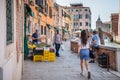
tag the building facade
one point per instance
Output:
(46, 19)
(81, 18)
(105, 26)
(67, 23)
(11, 30)
(119, 25)
(32, 21)
(43, 20)
(114, 20)
(58, 17)
(63, 21)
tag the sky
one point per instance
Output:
(102, 8)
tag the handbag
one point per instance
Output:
(92, 55)
(62, 47)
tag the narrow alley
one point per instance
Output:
(66, 67)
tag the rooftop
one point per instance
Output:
(77, 4)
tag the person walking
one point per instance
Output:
(83, 51)
(57, 42)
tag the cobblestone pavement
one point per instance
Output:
(66, 67)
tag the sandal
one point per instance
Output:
(89, 75)
(81, 73)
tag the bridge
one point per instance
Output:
(108, 35)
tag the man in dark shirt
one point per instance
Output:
(35, 37)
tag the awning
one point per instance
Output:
(29, 10)
(57, 28)
(65, 30)
(63, 26)
(49, 26)
(77, 32)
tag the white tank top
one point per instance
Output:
(84, 46)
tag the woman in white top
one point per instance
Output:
(83, 51)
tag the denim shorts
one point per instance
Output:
(84, 54)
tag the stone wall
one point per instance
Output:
(74, 46)
(113, 53)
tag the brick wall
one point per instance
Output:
(114, 19)
(111, 52)
(19, 27)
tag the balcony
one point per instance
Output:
(32, 3)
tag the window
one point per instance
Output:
(86, 24)
(80, 10)
(41, 29)
(50, 12)
(9, 26)
(68, 10)
(71, 10)
(65, 15)
(86, 16)
(36, 1)
(80, 23)
(80, 16)
(62, 13)
(44, 30)
(75, 24)
(40, 4)
(90, 17)
(85, 9)
(45, 7)
(90, 24)
(76, 17)
(76, 10)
